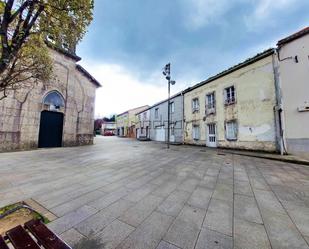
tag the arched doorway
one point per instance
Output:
(51, 123)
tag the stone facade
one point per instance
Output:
(20, 112)
(251, 112)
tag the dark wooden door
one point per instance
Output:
(51, 128)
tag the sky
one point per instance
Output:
(130, 41)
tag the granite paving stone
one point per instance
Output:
(214, 240)
(114, 234)
(219, 216)
(137, 213)
(186, 227)
(250, 235)
(149, 233)
(165, 245)
(245, 208)
(69, 220)
(134, 194)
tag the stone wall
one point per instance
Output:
(20, 111)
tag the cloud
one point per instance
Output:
(265, 12)
(204, 12)
(122, 90)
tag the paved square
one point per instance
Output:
(131, 194)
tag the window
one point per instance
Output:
(54, 100)
(157, 113)
(145, 115)
(196, 132)
(139, 117)
(210, 103)
(229, 95)
(231, 130)
(195, 105)
(172, 107)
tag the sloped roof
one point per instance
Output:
(63, 51)
(245, 63)
(165, 100)
(294, 36)
(146, 106)
(88, 75)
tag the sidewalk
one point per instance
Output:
(270, 156)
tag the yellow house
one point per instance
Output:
(234, 109)
(126, 122)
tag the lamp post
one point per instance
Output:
(167, 74)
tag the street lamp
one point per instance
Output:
(167, 74)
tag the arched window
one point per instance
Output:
(54, 99)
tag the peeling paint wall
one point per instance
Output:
(20, 112)
(253, 110)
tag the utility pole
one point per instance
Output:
(167, 74)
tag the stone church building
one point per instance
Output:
(51, 114)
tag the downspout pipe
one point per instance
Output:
(183, 116)
(278, 109)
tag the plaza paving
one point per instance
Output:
(131, 194)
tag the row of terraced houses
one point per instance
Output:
(260, 104)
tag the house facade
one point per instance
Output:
(159, 120)
(126, 122)
(56, 113)
(293, 77)
(122, 124)
(234, 109)
(143, 125)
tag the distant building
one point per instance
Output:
(143, 125)
(122, 124)
(126, 122)
(108, 128)
(159, 120)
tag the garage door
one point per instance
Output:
(160, 134)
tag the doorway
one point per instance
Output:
(51, 129)
(211, 140)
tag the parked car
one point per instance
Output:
(109, 133)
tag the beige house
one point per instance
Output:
(127, 122)
(51, 114)
(122, 124)
(143, 125)
(293, 78)
(234, 109)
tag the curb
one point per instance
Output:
(294, 161)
